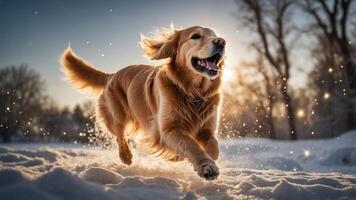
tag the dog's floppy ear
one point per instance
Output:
(163, 46)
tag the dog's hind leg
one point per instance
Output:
(124, 149)
(120, 121)
(111, 104)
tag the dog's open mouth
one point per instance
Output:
(209, 65)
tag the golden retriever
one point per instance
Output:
(176, 104)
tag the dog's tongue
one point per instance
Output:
(209, 65)
(212, 66)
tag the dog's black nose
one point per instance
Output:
(219, 42)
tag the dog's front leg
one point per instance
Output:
(206, 138)
(177, 140)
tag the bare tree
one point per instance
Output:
(263, 90)
(331, 19)
(270, 20)
(21, 99)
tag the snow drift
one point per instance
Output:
(250, 169)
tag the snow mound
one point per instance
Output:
(101, 175)
(250, 169)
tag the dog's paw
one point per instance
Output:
(125, 154)
(126, 157)
(208, 170)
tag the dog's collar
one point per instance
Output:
(193, 99)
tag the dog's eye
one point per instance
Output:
(195, 36)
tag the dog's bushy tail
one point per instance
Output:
(81, 74)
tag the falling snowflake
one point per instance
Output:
(300, 113)
(307, 153)
(326, 95)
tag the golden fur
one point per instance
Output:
(173, 104)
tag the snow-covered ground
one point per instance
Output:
(249, 169)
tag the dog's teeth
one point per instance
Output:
(203, 63)
(209, 65)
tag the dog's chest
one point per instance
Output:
(196, 104)
(193, 112)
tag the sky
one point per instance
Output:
(105, 33)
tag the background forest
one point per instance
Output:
(259, 99)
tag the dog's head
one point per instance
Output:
(197, 49)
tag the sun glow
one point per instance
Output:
(229, 75)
